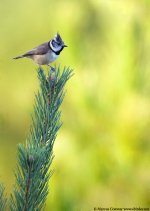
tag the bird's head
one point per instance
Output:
(57, 44)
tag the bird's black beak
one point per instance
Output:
(65, 46)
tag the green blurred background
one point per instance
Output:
(102, 152)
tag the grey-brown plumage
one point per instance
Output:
(46, 52)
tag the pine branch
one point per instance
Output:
(2, 198)
(34, 159)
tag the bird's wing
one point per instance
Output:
(39, 50)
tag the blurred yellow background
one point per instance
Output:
(102, 152)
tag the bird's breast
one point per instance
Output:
(45, 58)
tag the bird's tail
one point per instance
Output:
(18, 57)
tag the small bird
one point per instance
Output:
(46, 52)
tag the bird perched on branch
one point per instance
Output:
(46, 52)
